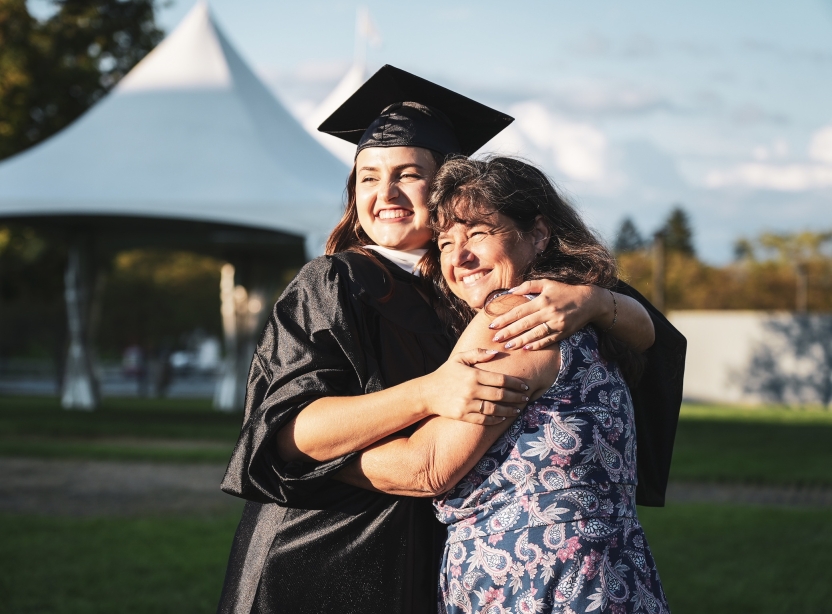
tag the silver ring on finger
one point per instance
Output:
(548, 330)
(482, 405)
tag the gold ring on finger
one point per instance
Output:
(482, 405)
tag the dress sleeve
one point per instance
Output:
(656, 403)
(309, 349)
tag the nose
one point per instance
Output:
(388, 191)
(460, 255)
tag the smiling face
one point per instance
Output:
(391, 193)
(487, 255)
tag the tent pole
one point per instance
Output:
(80, 388)
(226, 392)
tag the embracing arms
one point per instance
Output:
(566, 309)
(441, 451)
(334, 426)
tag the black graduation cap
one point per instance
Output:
(395, 108)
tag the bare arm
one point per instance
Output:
(334, 426)
(441, 451)
(566, 309)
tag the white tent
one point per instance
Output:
(189, 148)
(190, 133)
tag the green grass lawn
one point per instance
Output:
(725, 444)
(105, 565)
(711, 559)
(169, 430)
(759, 446)
(746, 559)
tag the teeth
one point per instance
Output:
(472, 278)
(391, 214)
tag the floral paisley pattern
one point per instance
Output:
(546, 521)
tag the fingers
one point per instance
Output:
(534, 286)
(537, 338)
(514, 314)
(498, 380)
(527, 322)
(473, 357)
(541, 343)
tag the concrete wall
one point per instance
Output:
(755, 357)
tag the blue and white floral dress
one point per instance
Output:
(546, 521)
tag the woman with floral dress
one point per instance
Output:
(543, 518)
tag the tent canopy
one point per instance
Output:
(190, 134)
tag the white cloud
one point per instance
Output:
(820, 148)
(784, 177)
(576, 149)
(781, 177)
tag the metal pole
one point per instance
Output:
(225, 395)
(802, 290)
(80, 389)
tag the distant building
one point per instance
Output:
(757, 357)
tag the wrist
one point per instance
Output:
(603, 307)
(422, 406)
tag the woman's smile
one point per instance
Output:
(471, 278)
(393, 214)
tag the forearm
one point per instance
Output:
(428, 463)
(633, 324)
(334, 426)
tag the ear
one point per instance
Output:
(540, 234)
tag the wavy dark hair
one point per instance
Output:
(467, 191)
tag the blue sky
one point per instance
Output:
(724, 107)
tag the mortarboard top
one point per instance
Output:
(432, 116)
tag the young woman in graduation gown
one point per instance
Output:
(354, 352)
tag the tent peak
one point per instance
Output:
(191, 57)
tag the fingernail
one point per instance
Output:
(502, 419)
(511, 290)
(491, 325)
(526, 399)
(497, 337)
(491, 351)
(527, 347)
(509, 345)
(525, 387)
(517, 410)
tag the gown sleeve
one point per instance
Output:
(310, 348)
(656, 403)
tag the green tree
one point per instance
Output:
(678, 234)
(53, 71)
(628, 238)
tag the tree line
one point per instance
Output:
(772, 271)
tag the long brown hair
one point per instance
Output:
(466, 190)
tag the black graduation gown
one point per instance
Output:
(656, 403)
(307, 543)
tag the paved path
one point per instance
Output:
(792, 496)
(109, 488)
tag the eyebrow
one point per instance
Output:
(399, 167)
(473, 225)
